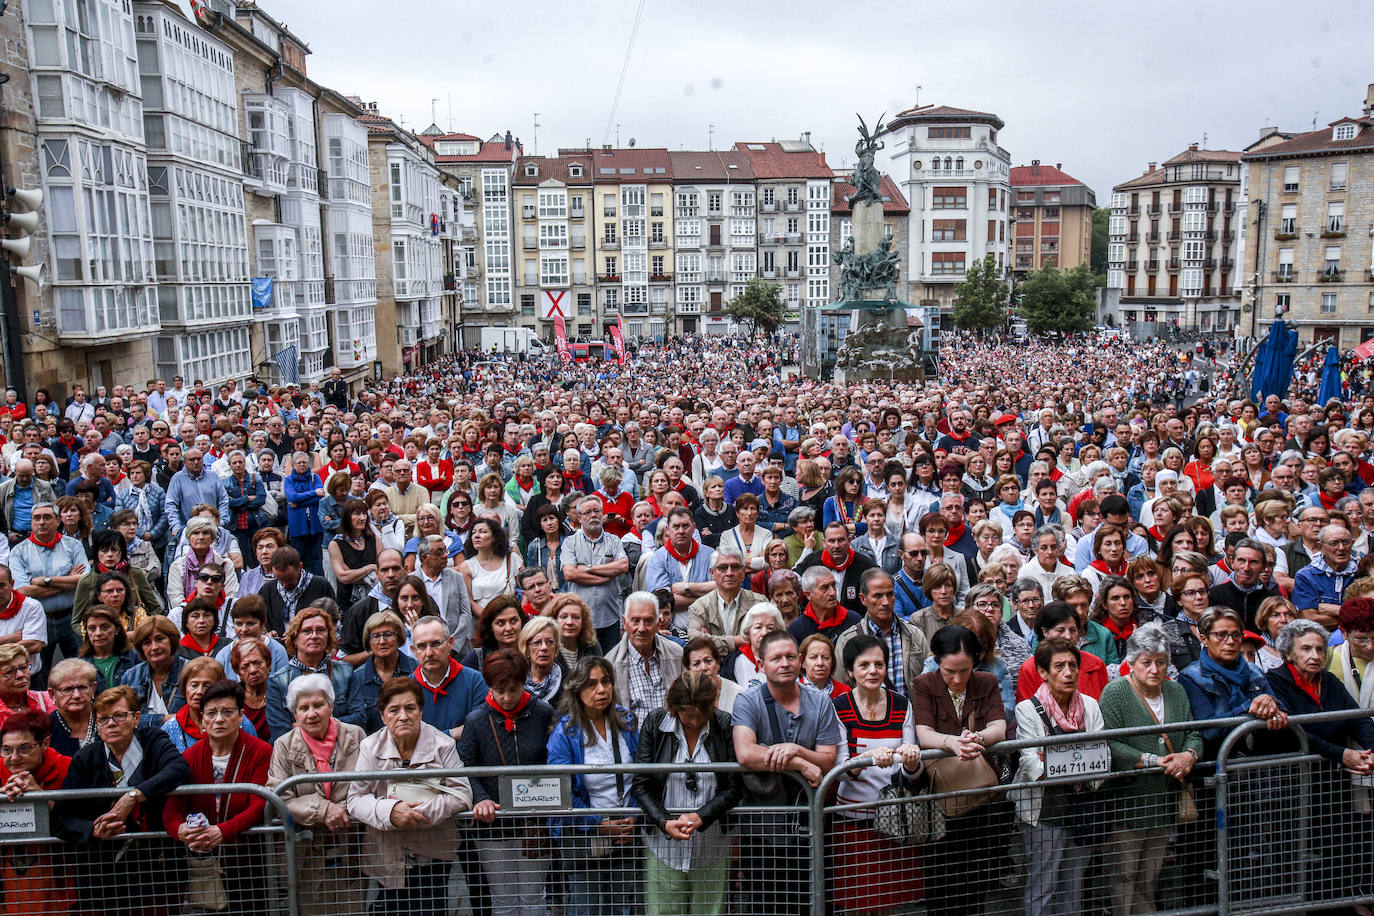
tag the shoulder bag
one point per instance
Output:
(909, 818)
(1088, 807)
(953, 774)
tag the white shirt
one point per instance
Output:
(30, 623)
(434, 587)
(601, 786)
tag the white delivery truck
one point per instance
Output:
(514, 340)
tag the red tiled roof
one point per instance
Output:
(1146, 180)
(552, 167)
(1204, 155)
(893, 201)
(714, 165)
(944, 113)
(490, 151)
(1038, 175)
(770, 160)
(1319, 141)
(431, 139)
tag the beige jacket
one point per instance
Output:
(369, 801)
(703, 618)
(291, 757)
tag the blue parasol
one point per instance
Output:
(1274, 363)
(1331, 377)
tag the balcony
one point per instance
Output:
(1331, 276)
(1228, 236)
(793, 206)
(1282, 236)
(531, 243)
(577, 213)
(793, 238)
(1153, 264)
(1333, 234)
(1174, 264)
(658, 243)
(1133, 238)
(1175, 236)
(1209, 264)
(769, 273)
(660, 278)
(579, 242)
(608, 278)
(793, 273)
(1176, 207)
(1154, 210)
(1135, 210)
(715, 276)
(1227, 264)
(1211, 235)
(610, 244)
(636, 308)
(1132, 265)
(768, 206)
(527, 212)
(1281, 276)
(1152, 238)
(770, 238)
(1229, 206)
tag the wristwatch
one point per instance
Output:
(47, 581)
(131, 795)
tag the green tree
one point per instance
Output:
(981, 300)
(1102, 216)
(1055, 300)
(759, 306)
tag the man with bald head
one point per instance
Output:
(18, 495)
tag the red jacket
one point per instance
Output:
(232, 813)
(621, 506)
(425, 476)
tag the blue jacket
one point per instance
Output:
(140, 677)
(247, 497)
(567, 748)
(1210, 699)
(107, 490)
(1317, 583)
(302, 504)
(152, 521)
(279, 718)
(185, 492)
(363, 688)
(910, 598)
(450, 705)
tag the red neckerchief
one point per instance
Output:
(1155, 533)
(1328, 502)
(46, 545)
(1312, 690)
(1056, 474)
(189, 728)
(526, 487)
(680, 486)
(571, 476)
(1119, 632)
(189, 642)
(454, 666)
(119, 567)
(681, 558)
(16, 602)
(509, 450)
(1102, 567)
(509, 716)
(1221, 565)
(837, 567)
(834, 621)
(955, 532)
(529, 609)
(748, 652)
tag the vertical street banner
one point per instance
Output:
(618, 338)
(560, 337)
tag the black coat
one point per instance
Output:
(1246, 604)
(849, 591)
(317, 588)
(658, 746)
(161, 770)
(486, 743)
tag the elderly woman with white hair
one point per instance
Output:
(744, 666)
(1145, 808)
(201, 534)
(319, 744)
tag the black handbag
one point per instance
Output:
(906, 817)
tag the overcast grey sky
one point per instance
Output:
(1102, 87)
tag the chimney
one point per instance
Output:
(1152, 166)
(1059, 166)
(1268, 131)
(508, 140)
(806, 134)
(1035, 168)
(1192, 147)
(1369, 101)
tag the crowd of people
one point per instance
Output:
(692, 556)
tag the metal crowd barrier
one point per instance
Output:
(1277, 833)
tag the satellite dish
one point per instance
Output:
(632, 142)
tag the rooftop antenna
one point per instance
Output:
(918, 95)
(434, 111)
(710, 136)
(617, 135)
(450, 112)
(1314, 120)
(1204, 139)
(535, 143)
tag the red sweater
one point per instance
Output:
(247, 763)
(622, 506)
(426, 477)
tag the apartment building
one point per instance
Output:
(1053, 217)
(715, 217)
(795, 206)
(1174, 242)
(632, 224)
(74, 127)
(552, 208)
(1310, 259)
(352, 285)
(482, 172)
(409, 256)
(956, 177)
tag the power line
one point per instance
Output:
(624, 71)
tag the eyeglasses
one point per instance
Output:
(1226, 636)
(73, 690)
(385, 635)
(1367, 640)
(114, 718)
(215, 714)
(545, 643)
(15, 671)
(1193, 592)
(21, 750)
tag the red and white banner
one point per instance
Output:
(618, 338)
(560, 337)
(553, 303)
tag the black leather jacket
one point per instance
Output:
(658, 746)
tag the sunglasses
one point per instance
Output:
(208, 578)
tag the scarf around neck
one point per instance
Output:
(837, 567)
(681, 557)
(509, 717)
(1103, 567)
(1236, 680)
(16, 602)
(550, 685)
(955, 533)
(1070, 721)
(835, 619)
(1312, 690)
